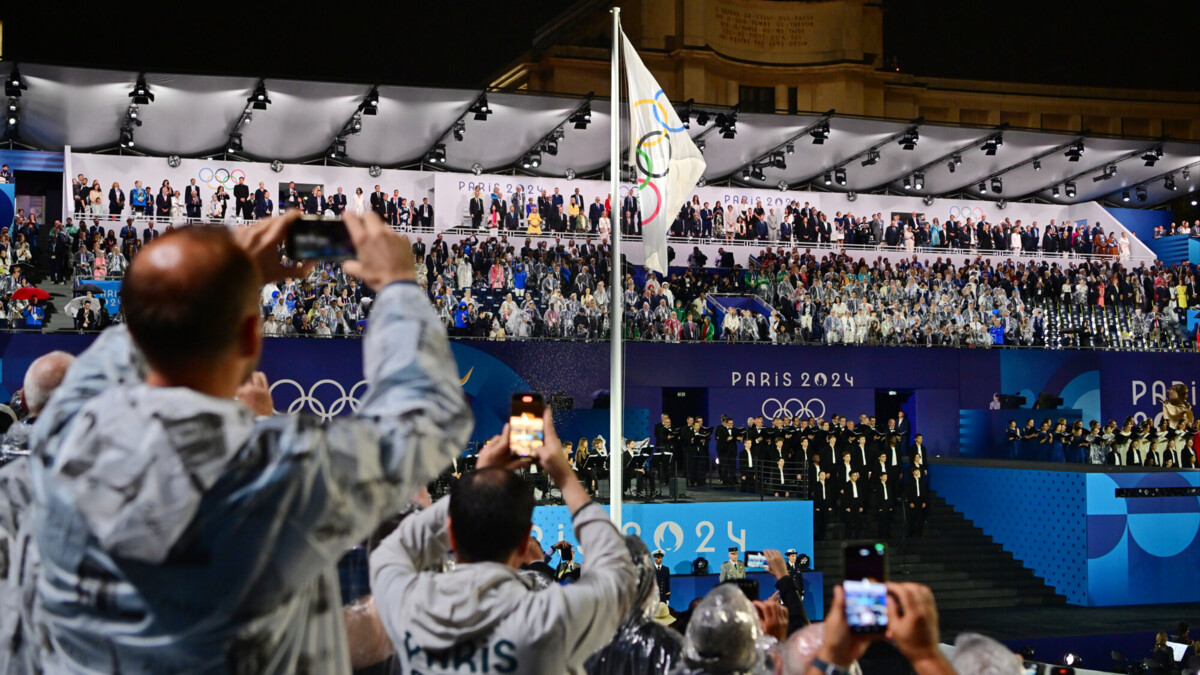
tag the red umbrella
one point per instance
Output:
(30, 293)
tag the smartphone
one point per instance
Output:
(526, 426)
(755, 560)
(749, 587)
(318, 238)
(866, 594)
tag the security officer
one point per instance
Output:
(795, 570)
(663, 575)
(733, 568)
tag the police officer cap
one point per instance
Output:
(791, 551)
(733, 549)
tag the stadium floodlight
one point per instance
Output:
(141, 94)
(259, 99)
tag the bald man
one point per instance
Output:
(19, 653)
(182, 534)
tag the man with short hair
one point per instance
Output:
(733, 568)
(241, 196)
(208, 538)
(662, 576)
(482, 612)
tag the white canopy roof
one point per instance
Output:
(194, 116)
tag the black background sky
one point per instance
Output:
(1148, 44)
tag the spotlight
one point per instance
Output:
(1187, 173)
(370, 104)
(839, 175)
(997, 185)
(1054, 190)
(1072, 659)
(460, 128)
(1037, 165)
(376, 171)
(958, 160)
(1152, 156)
(1193, 202)
(790, 148)
(746, 173)
(1109, 172)
(757, 174)
(583, 117)
(174, 161)
(783, 185)
(820, 134)
(1141, 193)
(702, 118)
(909, 140)
(701, 144)
(259, 100)
(480, 108)
(727, 122)
(437, 155)
(1075, 151)
(535, 159)
(1169, 182)
(872, 158)
(1070, 188)
(951, 166)
(828, 178)
(133, 110)
(14, 117)
(570, 173)
(1125, 196)
(276, 166)
(126, 135)
(928, 199)
(779, 160)
(526, 162)
(141, 92)
(919, 180)
(551, 147)
(907, 183)
(14, 84)
(356, 122)
(982, 188)
(1027, 652)
(338, 149)
(235, 142)
(992, 144)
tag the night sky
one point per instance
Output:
(463, 44)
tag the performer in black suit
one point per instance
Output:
(425, 214)
(883, 499)
(747, 468)
(726, 449)
(822, 496)
(378, 199)
(697, 455)
(853, 505)
(664, 439)
(663, 576)
(916, 500)
(241, 200)
(476, 210)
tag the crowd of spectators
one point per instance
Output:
(1182, 228)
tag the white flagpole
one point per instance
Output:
(616, 396)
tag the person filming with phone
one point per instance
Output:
(483, 616)
(180, 533)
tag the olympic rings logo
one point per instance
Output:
(773, 407)
(645, 165)
(966, 211)
(220, 177)
(308, 401)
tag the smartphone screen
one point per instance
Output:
(866, 594)
(318, 238)
(526, 427)
(756, 560)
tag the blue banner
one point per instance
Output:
(686, 532)
(8, 204)
(111, 295)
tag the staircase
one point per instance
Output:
(1171, 250)
(963, 566)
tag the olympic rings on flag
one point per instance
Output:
(220, 177)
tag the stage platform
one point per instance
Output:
(1091, 632)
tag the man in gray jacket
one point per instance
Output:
(483, 616)
(180, 534)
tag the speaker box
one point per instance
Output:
(678, 487)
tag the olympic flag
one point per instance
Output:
(667, 162)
